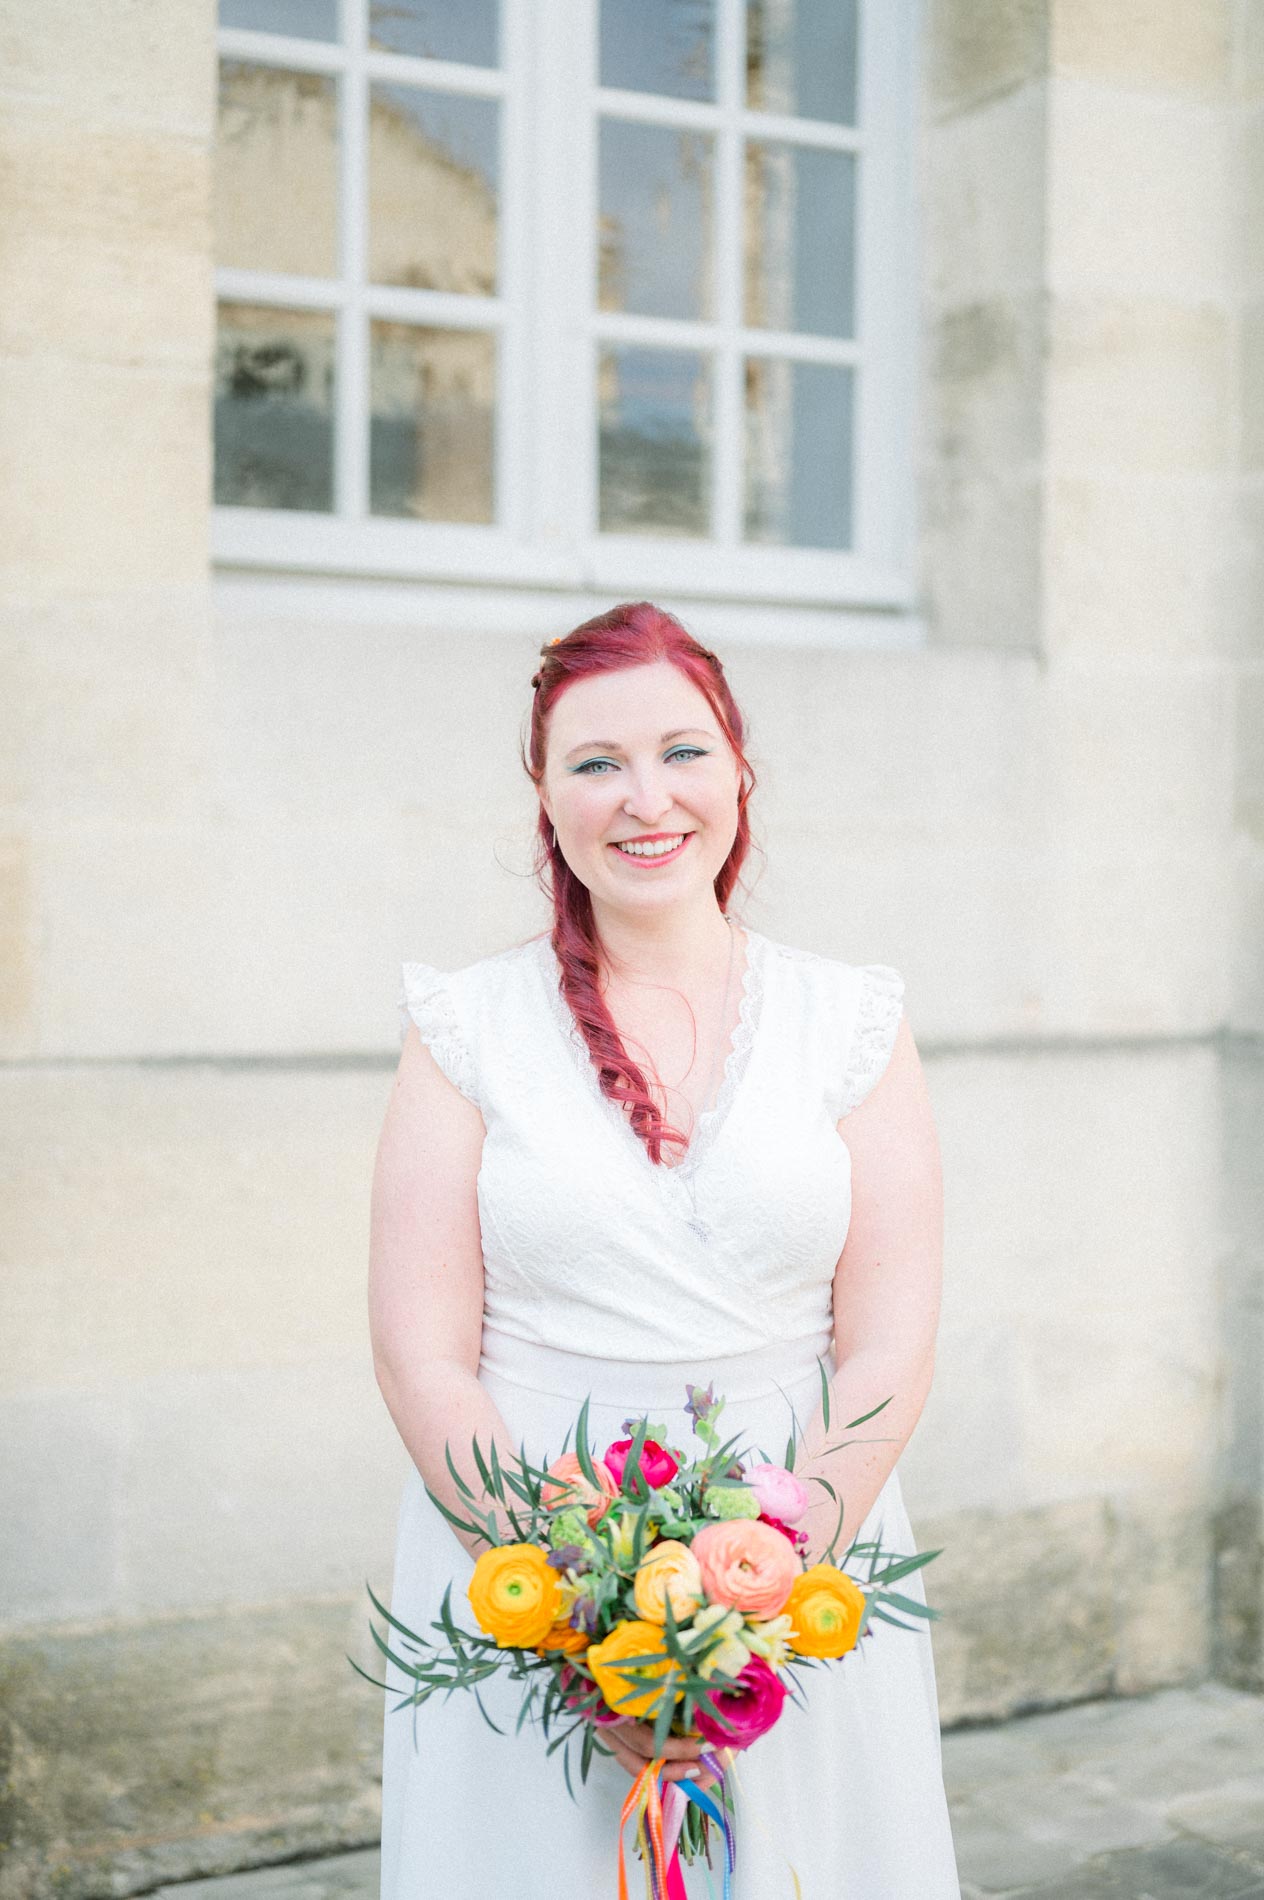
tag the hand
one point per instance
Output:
(632, 1744)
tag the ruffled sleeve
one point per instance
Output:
(426, 998)
(879, 1006)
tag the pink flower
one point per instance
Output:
(658, 1467)
(779, 1492)
(798, 1538)
(745, 1712)
(575, 1688)
(746, 1564)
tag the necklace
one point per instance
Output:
(695, 1220)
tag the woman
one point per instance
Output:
(650, 1148)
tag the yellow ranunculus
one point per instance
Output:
(825, 1607)
(514, 1595)
(618, 1683)
(670, 1570)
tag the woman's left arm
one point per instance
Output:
(887, 1287)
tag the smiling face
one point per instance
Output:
(642, 786)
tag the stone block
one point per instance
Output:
(17, 942)
(1132, 566)
(985, 411)
(105, 236)
(109, 707)
(983, 182)
(124, 501)
(1249, 752)
(1163, 47)
(150, 1752)
(173, 1220)
(1239, 573)
(1248, 50)
(1251, 371)
(981, 557)
(1138, 199)
(132, 64)
(1248, 149)
(976, 51)
(62, 1456)
(1137, 387)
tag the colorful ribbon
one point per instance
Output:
(659, 1810)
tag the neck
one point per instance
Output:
(671, 946)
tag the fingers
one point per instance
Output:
(640, 1736)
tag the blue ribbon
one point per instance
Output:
(712, 1808)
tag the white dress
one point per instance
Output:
(610, 1277)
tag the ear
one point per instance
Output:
(548, 810)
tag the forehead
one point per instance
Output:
(632, 706)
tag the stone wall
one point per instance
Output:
(232, 805)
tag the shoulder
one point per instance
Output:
(854, 1010)
(455, 1011)
(471, 981)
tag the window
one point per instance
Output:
(604, 293)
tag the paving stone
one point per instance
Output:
(336, 1877)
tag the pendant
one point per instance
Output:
(699, 1226)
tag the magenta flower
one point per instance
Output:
(798, 1538)
(745, 1712)
(658, 1467)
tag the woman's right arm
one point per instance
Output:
(426, 1280)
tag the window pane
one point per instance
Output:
(431, 431)
(655, 220)
(274, 400)
(663, 46)
(801, 58)
(433, 169)
(465, 30)
(301, 19)
(798, 453)
(655, 441)
(800, 239)
(276, 171)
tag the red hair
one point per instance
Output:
(635, 634)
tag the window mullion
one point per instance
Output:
(352, 396)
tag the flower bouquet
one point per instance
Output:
(642, 1585)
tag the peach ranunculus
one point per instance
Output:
(670, 1570)
(619, 1682)
(571, 1489)
(825, 1607)
(515, 1594)
(747, 1564)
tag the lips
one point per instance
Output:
(656, 856)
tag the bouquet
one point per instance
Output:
(641, 1584)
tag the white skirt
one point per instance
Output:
(847, 1793)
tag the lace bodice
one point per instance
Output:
(588, 1245)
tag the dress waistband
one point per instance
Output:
(652, 1382)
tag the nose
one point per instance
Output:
(650, 795)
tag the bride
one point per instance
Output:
(646, 1148)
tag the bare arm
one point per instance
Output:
(887, 1288)
(426, 1279)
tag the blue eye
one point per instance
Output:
(686, 751)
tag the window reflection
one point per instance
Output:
(801, 58)
(663, 46)
(464, 30)
(276, 171)
(654, 441)
(274, 400)
(800, 239)
(431, 429)
(799, 453)
(656, 213)
(433, 210)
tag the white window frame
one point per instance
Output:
(549, 331)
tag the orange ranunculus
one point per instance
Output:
(618, 1682)
(669, 1570)
(746, 1564)
(572, 1489)
(515, 1594)
(825, 1607)
(563, 1637)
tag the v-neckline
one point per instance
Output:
(709, 1124)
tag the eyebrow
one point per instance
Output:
(611, 745)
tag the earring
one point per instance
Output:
(555, 837)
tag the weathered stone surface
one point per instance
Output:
(977, 50)
(1166, 47)
(187, 1746)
